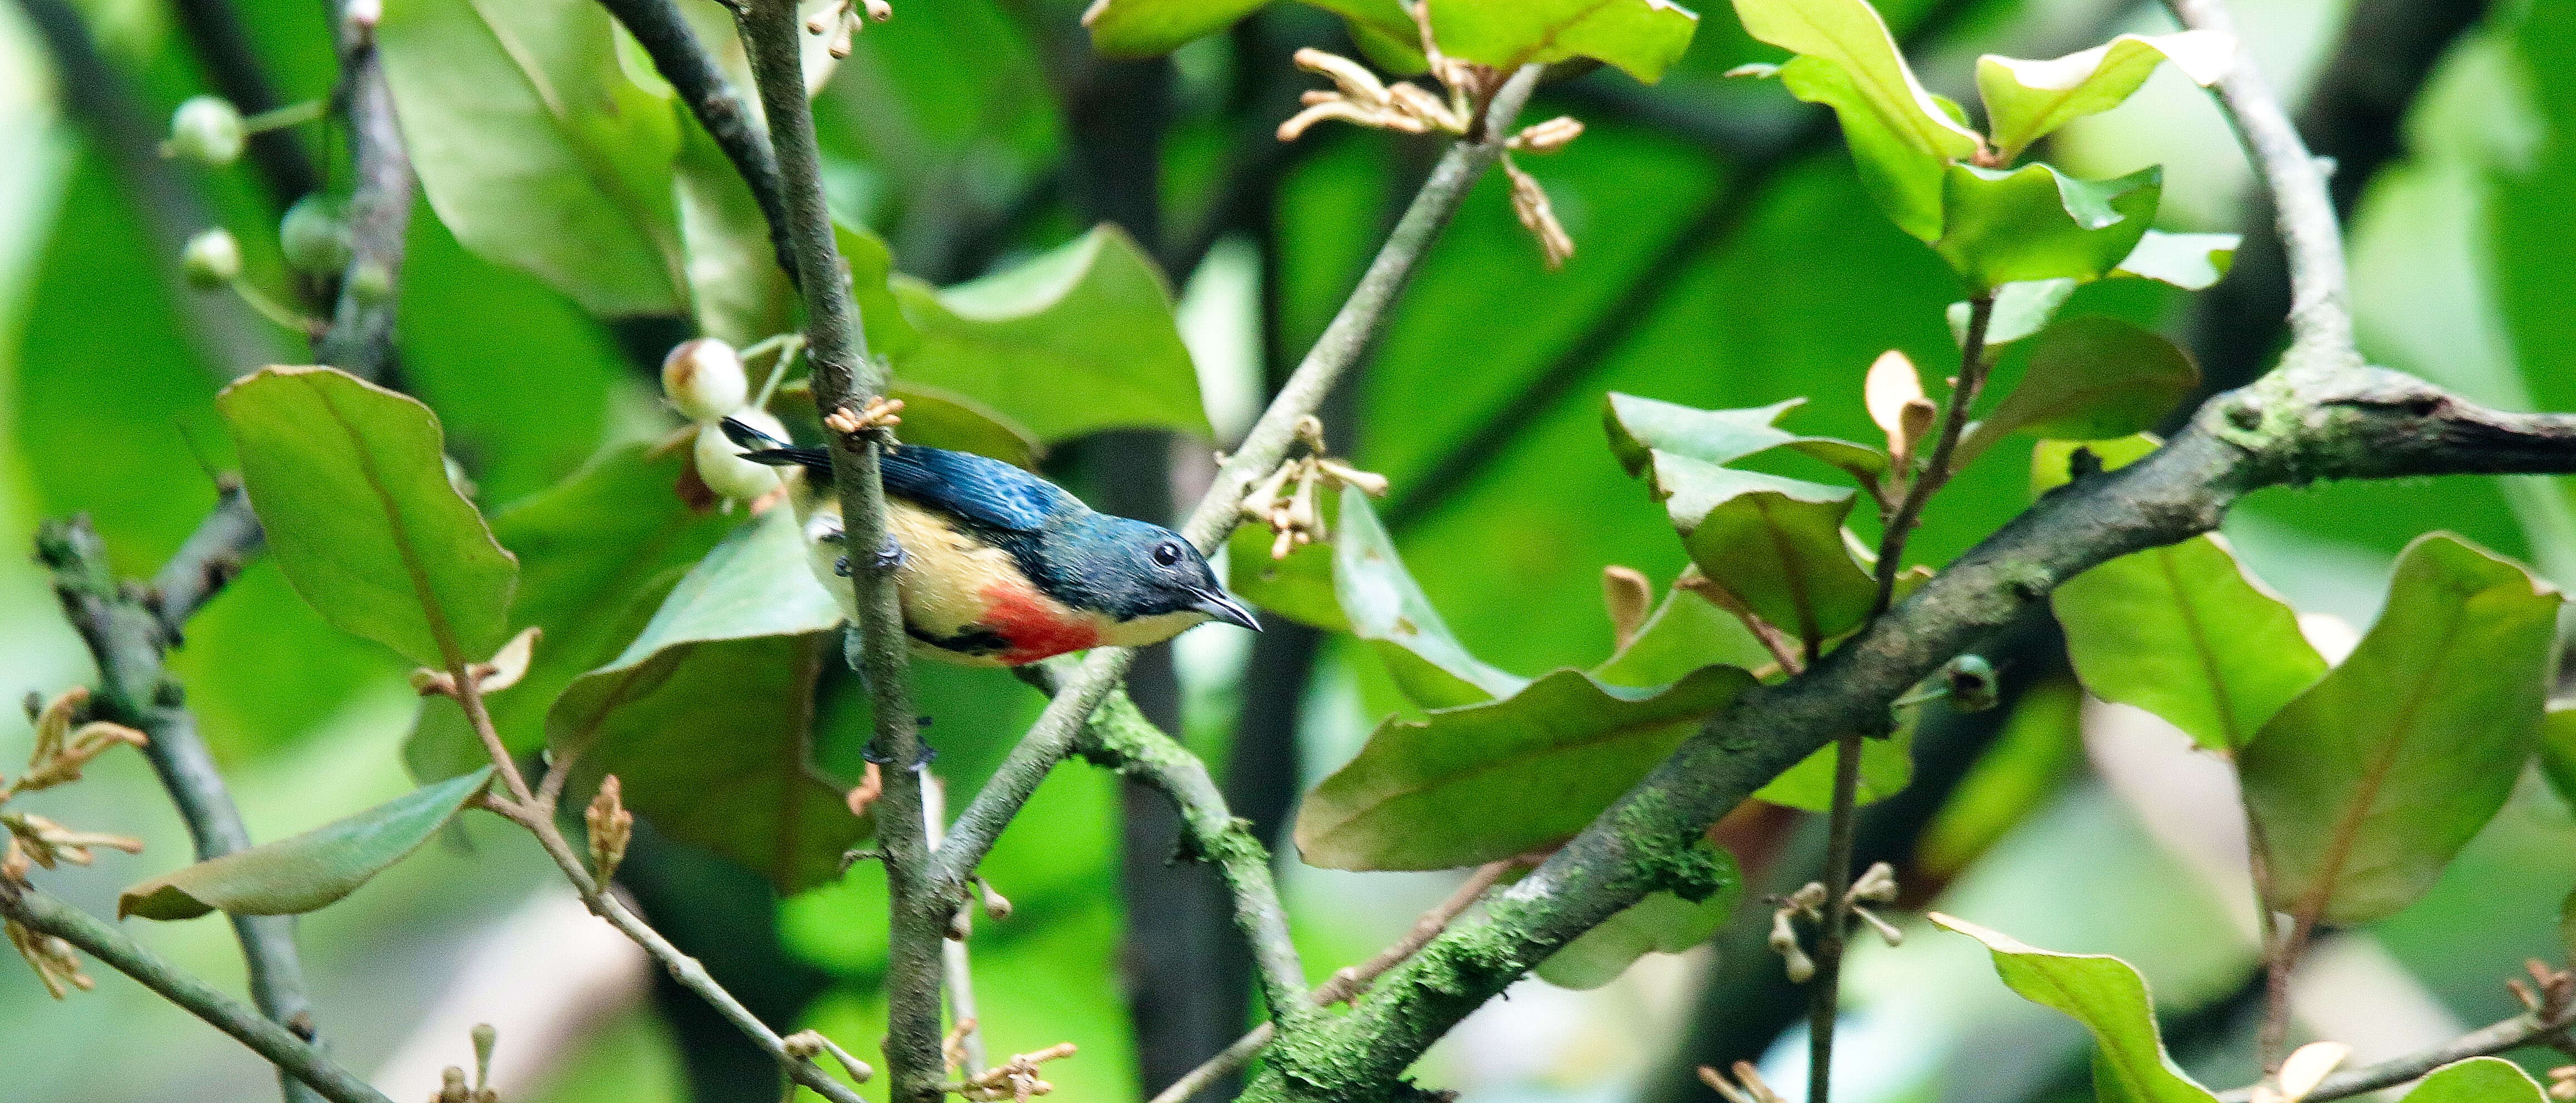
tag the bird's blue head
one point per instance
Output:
(1143, 576)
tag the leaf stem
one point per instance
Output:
(2502, 1037)
(292, 1055)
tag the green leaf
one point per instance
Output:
(2110, 999)
(1073, 341)
(1384, 606)
(1386, 33)
(2051, 461)
(1299, 587)
(1683, 634)
(1899, 135)
(2090, 378)
(1464, 786)
(2478, 1080)
(1662, 923)
(537, 149)
(942, 420)
(1150, 28)
(350, 481)
(2188, 261)
(1775, 544)
(1886, 768)
(1640, 426)
(597, 553)
(1643, 37)
(2558, 753)
(2035, 223)
(2021, 309)
(707, 717)
(2026, 100)
(881, 314)
(298, 874)
(736, 289)
(2184, 632)
(2363, 788)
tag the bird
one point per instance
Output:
(995, 566)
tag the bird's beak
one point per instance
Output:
(1222, 606)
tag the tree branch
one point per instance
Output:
(719, 107)
(361, 338)
(846, 380)
(2503, 1037)
(972, 836)
(293, 1056)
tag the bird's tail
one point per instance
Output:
(775, 452)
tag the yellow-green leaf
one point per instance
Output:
(1899, 134)
(1643, 37)
(2110, 999)
(2025, 100)
(298, 874)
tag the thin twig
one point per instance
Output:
(958, 965)
(523, 808)
(2503, 1037)
(1341, 345)
(1347, 983)
(293, 1056)
(847, 380)
(694, 74)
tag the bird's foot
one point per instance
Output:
(889, 555)
(929, 754)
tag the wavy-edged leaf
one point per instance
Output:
(1643, 37)
(2188, 261)
(2026, 100)
(2363, 787)
(707, 717)
(1075, 340)
(350, 481)
(2036, 223)
(536, 148)
(303, 872)
(1383, 605)
(2478, 1080)
(1464, 786)
(1899, 133)
(2110, 999)
(1775, 544)
(596, 553)
(2185, 632)
(1640, 426)
(2090, 378)
(1683, 634)
(1662, 923)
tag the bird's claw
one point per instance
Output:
(929, 754)
(841, 566)
(890, 556)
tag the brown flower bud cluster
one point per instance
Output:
(1016, 1079)
(1877, 885)
(612, 827)
(841, 21)
(28, 840)
(1288, 501)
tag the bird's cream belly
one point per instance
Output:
(950, 585)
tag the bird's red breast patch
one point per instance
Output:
(1034, 625)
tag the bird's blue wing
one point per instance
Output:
(983, 490)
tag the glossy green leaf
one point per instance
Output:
(1900, 137)
(1683, 634)
(1149, 28)
(2026, 100)
(1662, 923)
(2090, 378)
(1468, 785)
(1643, 37)
(707, 717)
(1886, 768)
(1640, 426)
(596, 555)
(2558, 751)
(2110, 999)
(2021, 309)
(303, 872)
(1776, 544)
(2363, 788)
(350, 481)
(2185, 632)
(736, 289)
(1072, 341)
(1383, 605)
(537, 149)
(2478, 1080)
(2188, 261)
(1385, 32)
(2036, 223)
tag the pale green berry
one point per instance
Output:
(212, 258)
(314, 235)
(207, 130)
(720, 462)
(704, 378)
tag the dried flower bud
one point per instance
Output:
(720, 462)
(2307, 1066)
(704, 378)
(212, 258)
(314, 235)
(1549, 136)
(1529, 201)
(207, 130)
(878, 10)
(1629, 598)
(611, 828)
(1354, 79)
(1784, 942)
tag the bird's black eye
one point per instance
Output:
(1167, 553)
